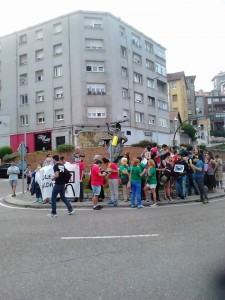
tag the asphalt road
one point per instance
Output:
(170, 252)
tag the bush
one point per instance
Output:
(65, 148)
(203, 147)
(143, 144)
(8, 157)
(5, 150)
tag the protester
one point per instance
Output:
(167, 164)
(181, 168)
(155, 150)
(28, 174)
(219, 172)
(48, 161)
(35, 187)
(198, 167)
(209, 168)
(59, 187)
(102, 193)
(113, 179)
(13, 172)
(151, 182)
(96, 182)
(124, 171)
(135, 180)
(191, 183)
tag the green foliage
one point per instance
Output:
(9, 157)
(217, 133)
(5, 150)
(65, 148)
(190, 131)
(203, 147)
(143, 143)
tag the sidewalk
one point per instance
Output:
(26, 200)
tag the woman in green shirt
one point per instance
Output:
(135, 179)
(124, 171)
(152, 182)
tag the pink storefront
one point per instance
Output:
(37, 141)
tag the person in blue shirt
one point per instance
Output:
(198, 168)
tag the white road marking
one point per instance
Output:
(109, 237)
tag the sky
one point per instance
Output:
(192, 31)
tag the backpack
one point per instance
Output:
(67, 176)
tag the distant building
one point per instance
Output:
(81, 69)
(178, 94)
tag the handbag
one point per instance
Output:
(124, 180)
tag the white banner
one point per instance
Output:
(73, 187)
(45, 182)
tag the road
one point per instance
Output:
(169, 252)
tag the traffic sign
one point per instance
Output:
(22, 164)
(22, 149)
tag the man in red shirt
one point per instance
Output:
(156, 150)
(97, 178)
(113, 173)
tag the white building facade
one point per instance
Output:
(81, 69)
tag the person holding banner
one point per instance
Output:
(59, 187)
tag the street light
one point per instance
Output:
(174, 141)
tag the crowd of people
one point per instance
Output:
(178, 171)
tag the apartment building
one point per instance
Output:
(178, 94)
(81, 70)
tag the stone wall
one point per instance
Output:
(34, 158)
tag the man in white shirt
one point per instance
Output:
(13, 172)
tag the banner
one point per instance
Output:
(45, 181)
(73, 187)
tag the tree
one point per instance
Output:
(190, 131)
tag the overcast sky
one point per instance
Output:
(192, 31)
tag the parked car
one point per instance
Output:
(3, 171)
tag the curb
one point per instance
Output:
(22, 203)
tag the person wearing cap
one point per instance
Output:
(96, 182)
(48, 161)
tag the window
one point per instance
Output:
(139, 117)
(162, 86)
(151, 101)
(96, 112)
(136, 40)
(160, 52)
(59, 115)
(138, 98)
(160, 69)
(40, 96)
(40, 118)
(23, 59)
(23, 79)
(60, 140)
(22, 39)
(23, 99)
(137, 58)
(57, 28)
(96, 89)
(39, 34)
(123, 51)
(151, 119)
(174, 84)
(174, 98)
(122, 31)
(39, 75)
(95, 66)
(57, 49)
(163, 122)
(58, 92)
(124, 93)
(149, 64)
(124, 72)
(125, 113)
(138, 78)
(148, 46)
(24, 120)
(39, 54)
(94, 44)
(58, 71)
(96, 23)
(150, 83)
(163, 105)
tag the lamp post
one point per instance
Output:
(174, 136)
